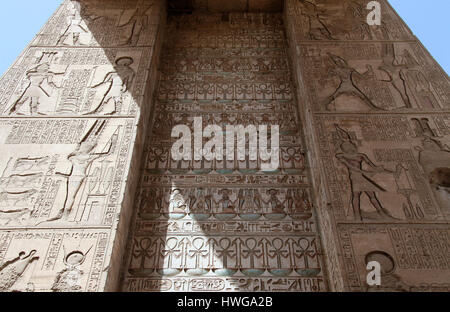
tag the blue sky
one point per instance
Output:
(20, 20)
(430, 22)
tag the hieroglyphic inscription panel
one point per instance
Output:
(224, 225)
(53, 260)
(50, 175)
(414, 258)
(382, 167)
(390, 77)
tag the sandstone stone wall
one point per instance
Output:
(376, 111)
(73, 110)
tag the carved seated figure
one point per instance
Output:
(275, 204)
(225, 203)
(177, 203)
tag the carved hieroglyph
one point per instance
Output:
(381, 167)
(413, 257)
(69, 109)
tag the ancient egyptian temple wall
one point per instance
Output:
(364, 113)
(375, 108)
(70, 108)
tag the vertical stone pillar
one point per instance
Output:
(376, 111)
(73, 112)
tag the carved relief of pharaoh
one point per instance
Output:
(41, 88)
(379, 77)
(421, 88)
(133, 23)
(396, 73)
(77, 31)
(358, 28)
(114, 87)
(177, 202)
(360, 171)
(347, 76)
(47, 180)
(81, 163)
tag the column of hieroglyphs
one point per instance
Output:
(377, 107)
(71, 119)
